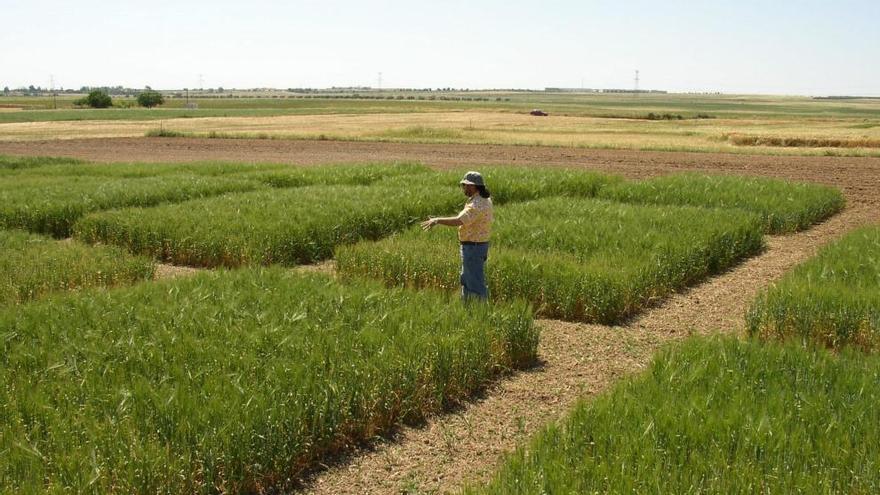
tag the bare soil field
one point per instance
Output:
(576, 360)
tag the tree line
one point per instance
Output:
(98, 98)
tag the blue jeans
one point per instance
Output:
(473, 274)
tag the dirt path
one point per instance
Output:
(577, 361)
(166, 271)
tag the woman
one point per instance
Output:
(474, 224)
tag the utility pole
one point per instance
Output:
(52, 88)
(201, 82)
(380, 81)
(636, 87)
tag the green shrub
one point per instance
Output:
(32, 265)
(575, 259)
(785, 206)
(231, 381)
(166, 133)
(831, 300)
(150, 98)
(95, 99)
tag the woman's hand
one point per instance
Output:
(427, 224)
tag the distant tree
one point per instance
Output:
(95, 99)
(6, 91)
(150, 98)
(220, 89)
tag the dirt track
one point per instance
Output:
(577, 360)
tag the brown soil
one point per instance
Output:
(577, 360)
(327, 267)
(165, 271)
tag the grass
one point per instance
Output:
(832, 300)
(287, 226)
(716, 416)
(785, 206)
(162, 132)
(804, 142)
(51, 205)
(277, 175)
(516, 183)
(28, 162)
(138, 170)
(342, 174)
(421, 132)
(32, 266)
(574, 259)
(231, 382)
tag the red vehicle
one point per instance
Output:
(539, 113)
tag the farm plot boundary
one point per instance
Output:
(519, 406)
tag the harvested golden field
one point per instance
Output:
(753, 136)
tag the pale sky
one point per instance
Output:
(746, 46)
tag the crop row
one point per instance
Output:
(783, 205)
(53, 203)
(831, 300)
(514, 184)
(10, 163)
(230, 381)
(575, 259)
(287, 226)
(32, 265)
(279, 175)
(51, 168)
(342, 174)
(715, 416)
(811, 425)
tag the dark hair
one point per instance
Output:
(484, 192)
